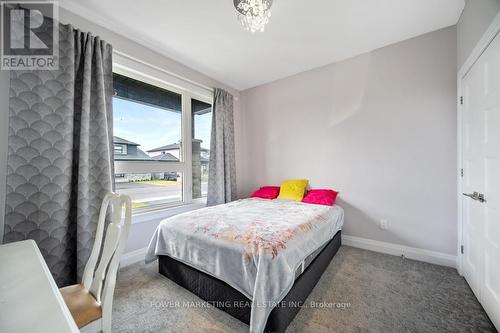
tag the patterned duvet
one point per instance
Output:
(254, 245)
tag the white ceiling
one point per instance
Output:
(206, 36)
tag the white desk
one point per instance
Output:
(29, 298)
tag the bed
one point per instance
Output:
(250, 257)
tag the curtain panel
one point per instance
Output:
(60, 161)
(222, 166)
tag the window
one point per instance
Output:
(120, 149)
(152, 165)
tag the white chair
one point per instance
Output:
(91, 301)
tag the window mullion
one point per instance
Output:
(187, 147)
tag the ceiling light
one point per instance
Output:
(253, 14)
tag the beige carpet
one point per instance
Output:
(361, 291)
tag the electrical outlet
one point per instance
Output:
(384, 224)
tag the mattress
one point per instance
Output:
(259, 247)
(223, 296)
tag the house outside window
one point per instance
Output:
(151, 123)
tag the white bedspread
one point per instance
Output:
(254, 245)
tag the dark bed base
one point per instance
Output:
(228, 299)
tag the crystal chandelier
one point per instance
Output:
(253, 14)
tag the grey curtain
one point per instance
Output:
(60, 153)
(222, 169)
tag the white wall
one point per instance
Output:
(475, 19)
(380, 128)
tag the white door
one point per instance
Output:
(481, 182)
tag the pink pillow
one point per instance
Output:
(266, 192)
(321, 197)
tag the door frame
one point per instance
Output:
(490, 34)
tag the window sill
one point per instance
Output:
(161, 214)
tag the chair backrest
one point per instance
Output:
(101, 281)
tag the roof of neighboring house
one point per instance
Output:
(119, 140)
(173, 146)
(167, 147)
(166, 157)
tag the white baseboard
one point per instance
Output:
(432, 257)
(133, 257)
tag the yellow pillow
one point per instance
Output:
(293, 189)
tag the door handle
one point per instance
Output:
(469, 195)
(476, 196)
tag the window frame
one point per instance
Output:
(146, 73)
